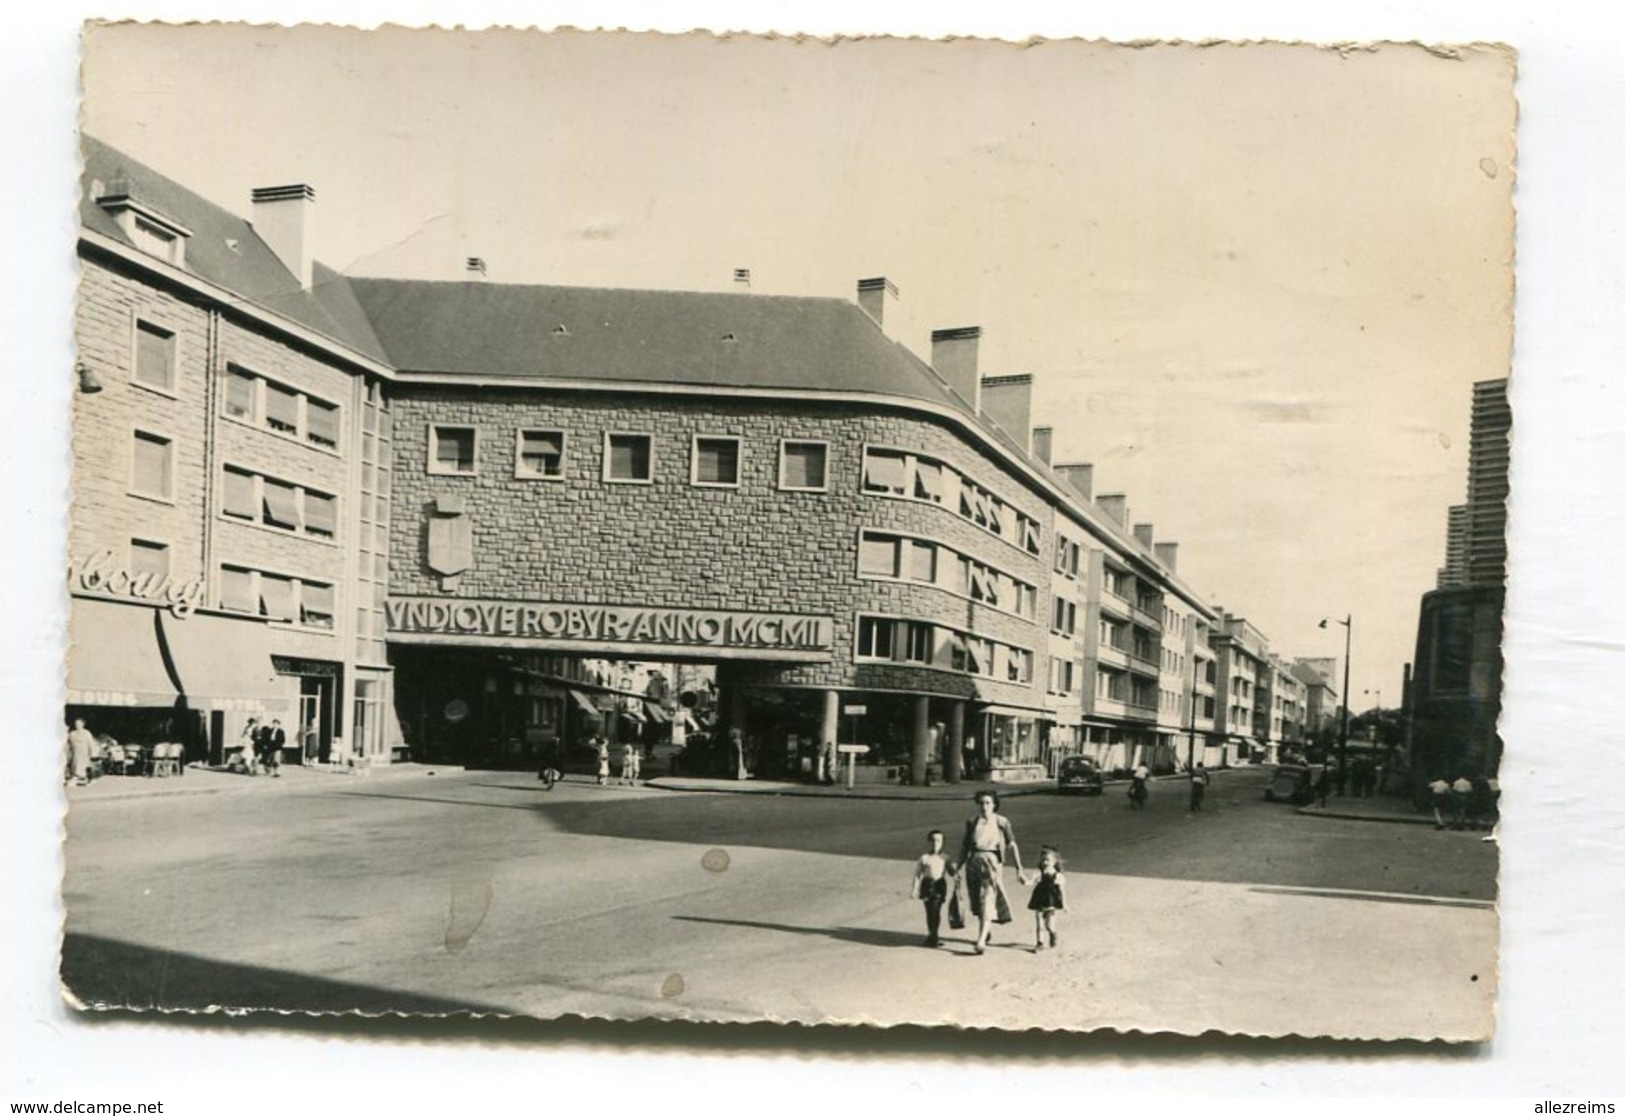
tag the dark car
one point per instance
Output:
(1080, 775)
(1291, 782)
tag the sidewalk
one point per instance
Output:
(1376, 809)
(961, 790)
(211, 780)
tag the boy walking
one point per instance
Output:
(931, 885)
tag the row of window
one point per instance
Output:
(1112, 685)
(295, 414)
(277, 597)
(903, 558)
(915, 476)
(884, 639)
(255, 498)
(715, 460)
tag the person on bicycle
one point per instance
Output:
(1138, 786)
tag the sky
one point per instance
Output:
(1254, 283)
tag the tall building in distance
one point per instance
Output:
(1455, 691)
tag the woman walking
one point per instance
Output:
(990, 839)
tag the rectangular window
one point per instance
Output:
(1031, 536)
(321, 514)
(928, 481)
(804, 466)
(237, 590)
(238, 497)
(321, 423)
(716, 461)
(877, 556)
(922, 561)
(451, 450)
(316, 604)
(149, 559)
(152, 240)
(884, 471)
(153, 468)
(281, 409)
(978, 656)
(276, 597)
(874, 637)
(241, 388)
(919, 642)
(281, 503)
(628, 458)
(154, 356)
(541, 454)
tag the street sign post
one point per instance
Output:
(852, 752)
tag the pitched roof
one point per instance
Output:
(627, 336)
(223, 248)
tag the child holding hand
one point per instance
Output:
(931, 885)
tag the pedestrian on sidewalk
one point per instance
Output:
(629, 764)
(275, 740)
(930, 885)
(1048, 899)
(1323, 785)
(1439, 790)
(1199, 781)
(602, 747)
(990, 840)
(80, 743)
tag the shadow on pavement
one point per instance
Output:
(856, 934)
(102, 973)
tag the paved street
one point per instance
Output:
(480, 892)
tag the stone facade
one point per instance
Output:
(670, 543)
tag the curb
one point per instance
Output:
(884, 793)
(239, 784)
(1394, 819)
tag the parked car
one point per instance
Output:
(1080, 775)
(1291, 782)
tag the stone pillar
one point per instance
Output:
(829, 734)
(953, 760)
(921, 755)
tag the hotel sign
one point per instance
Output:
(769, 634)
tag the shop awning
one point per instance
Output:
(224, 663)
(587, 707)
(114, 657)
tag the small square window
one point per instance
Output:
(321, 514)
(316, 604)
(451, 450)
(628, 458)
(885, 471)
(154, 356)
(281, 409)
(238, 499)
(716, 461)
(804, 466)
(149, 559)
(153, 471)
(281, 505)
(540, 454)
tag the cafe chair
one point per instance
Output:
(119, 760)
(166, 759)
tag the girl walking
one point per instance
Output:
(1049, 898)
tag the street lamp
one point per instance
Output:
(1343, 734)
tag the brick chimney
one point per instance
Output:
(1142, 532)
(1080, 476)
(953, 356)
(1168, 555)
(1043, 438)
(873, 296)
(1115, 505)
(1008, 401)
(283, 218)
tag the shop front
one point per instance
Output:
(145, 675)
